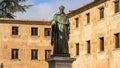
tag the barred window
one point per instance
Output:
(34, 31)
(14, 30)
(47, 54)
(117, 6)
(47, 31)
(34, 54)
(101, 12)
(14, 54)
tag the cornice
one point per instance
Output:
(85, 7)
(29, 22)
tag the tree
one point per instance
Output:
(9, 7)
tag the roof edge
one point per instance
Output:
(85, 7)
(18, 21)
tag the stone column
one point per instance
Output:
(60, 62)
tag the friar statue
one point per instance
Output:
(60, 33)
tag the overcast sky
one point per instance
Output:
(45, 9)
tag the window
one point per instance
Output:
(14, 30)
(77, 22)
(14, 54)
(101, 13)
(88, 47)
(77, 49)
(117, 44)
(47, 54)
(117, 6)
(1, 66)
(34, 54)
(102, 44)
(88, 18)
(47, 31)
(34, 31)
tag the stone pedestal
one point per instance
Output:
(60, 62)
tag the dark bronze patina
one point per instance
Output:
(60, 33)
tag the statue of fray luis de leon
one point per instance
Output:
(60, 33)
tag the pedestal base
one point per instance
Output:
(60, 62)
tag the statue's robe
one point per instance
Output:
(60, 33)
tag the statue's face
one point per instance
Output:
(61, 8)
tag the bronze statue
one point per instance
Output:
(60, 33)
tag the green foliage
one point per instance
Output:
(9, 7)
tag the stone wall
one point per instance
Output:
(97, 28)
(24, 42)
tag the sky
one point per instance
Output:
(45, 9)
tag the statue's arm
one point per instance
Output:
(68, 26)
(53, 30)
(52, 35)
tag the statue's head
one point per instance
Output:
(61, 8)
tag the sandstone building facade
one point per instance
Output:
(95, 35)
(24, 44)
(94, 38)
